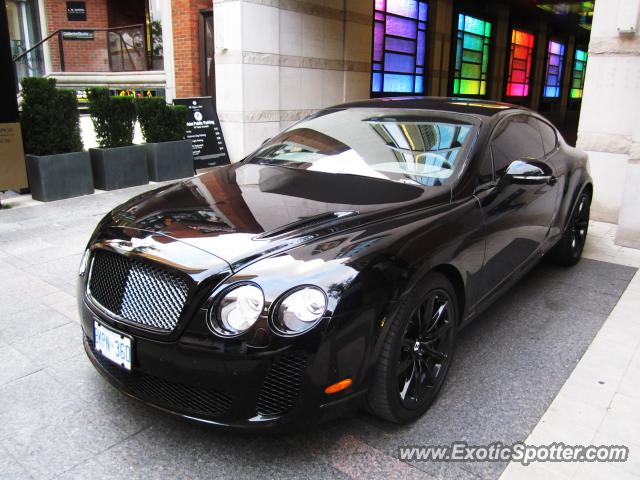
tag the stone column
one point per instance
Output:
(539, 66)
(278, 61)
(609, 127)
(437, 75)
(500, 49)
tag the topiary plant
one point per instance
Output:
(160, 122)
(113, 118)
(49, 118)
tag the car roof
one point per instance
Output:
(484, 108)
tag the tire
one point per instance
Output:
(568, 250)
(392, 395)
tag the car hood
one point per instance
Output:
(242, 212)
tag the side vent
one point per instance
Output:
(281, 387)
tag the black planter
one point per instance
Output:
(119, 167)
(64, 175)
(169, 160)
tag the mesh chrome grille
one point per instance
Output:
(136, 291)
(281, 387)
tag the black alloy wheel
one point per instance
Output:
(426, 349)
(580, 225)
(416, 352)
(569, 249)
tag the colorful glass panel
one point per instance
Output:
(520, 61)
(553, 75)
(399, 46)
(406, 8)
(577, 76)
(472, 56)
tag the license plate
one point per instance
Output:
(112, 345)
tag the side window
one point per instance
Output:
(514, 138)
(549, 137)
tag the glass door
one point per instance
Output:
(24, 32)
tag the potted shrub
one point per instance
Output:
(56, 165)
(164, 127)
(117, 163)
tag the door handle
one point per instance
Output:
(550, 179)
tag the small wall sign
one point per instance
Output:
(76, 11)
(77, 34)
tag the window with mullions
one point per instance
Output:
(553, 75)
(472, 56)
(577, 75)
(399, 46)
(520, 60)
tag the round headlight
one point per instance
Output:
(238, 310)
(300, 310)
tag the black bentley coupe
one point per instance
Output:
(333, 267)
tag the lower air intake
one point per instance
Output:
(164, 393)
(281, 387)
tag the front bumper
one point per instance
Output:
(271, 390)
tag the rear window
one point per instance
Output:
(401, 145)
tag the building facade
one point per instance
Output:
(269, 63)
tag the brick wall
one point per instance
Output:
(186, 45)
(79, 55)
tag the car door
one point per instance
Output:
(519, 203)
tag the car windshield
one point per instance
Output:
(409, 146)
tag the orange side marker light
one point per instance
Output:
(339, 386)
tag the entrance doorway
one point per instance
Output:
(135, 35)
(207, 63)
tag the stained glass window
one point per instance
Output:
(553, 76)
(520, 60)
(472, 56)
(399, 43)
(577, 76)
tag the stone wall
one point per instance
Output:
(279, 60)
(609, 128)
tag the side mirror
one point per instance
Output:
(527, 171)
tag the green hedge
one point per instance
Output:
(160, 122)
(113, 118)
(49, 118)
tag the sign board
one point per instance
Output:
(77, 34)
(77, 11)
(13, 173)
(203, 129)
